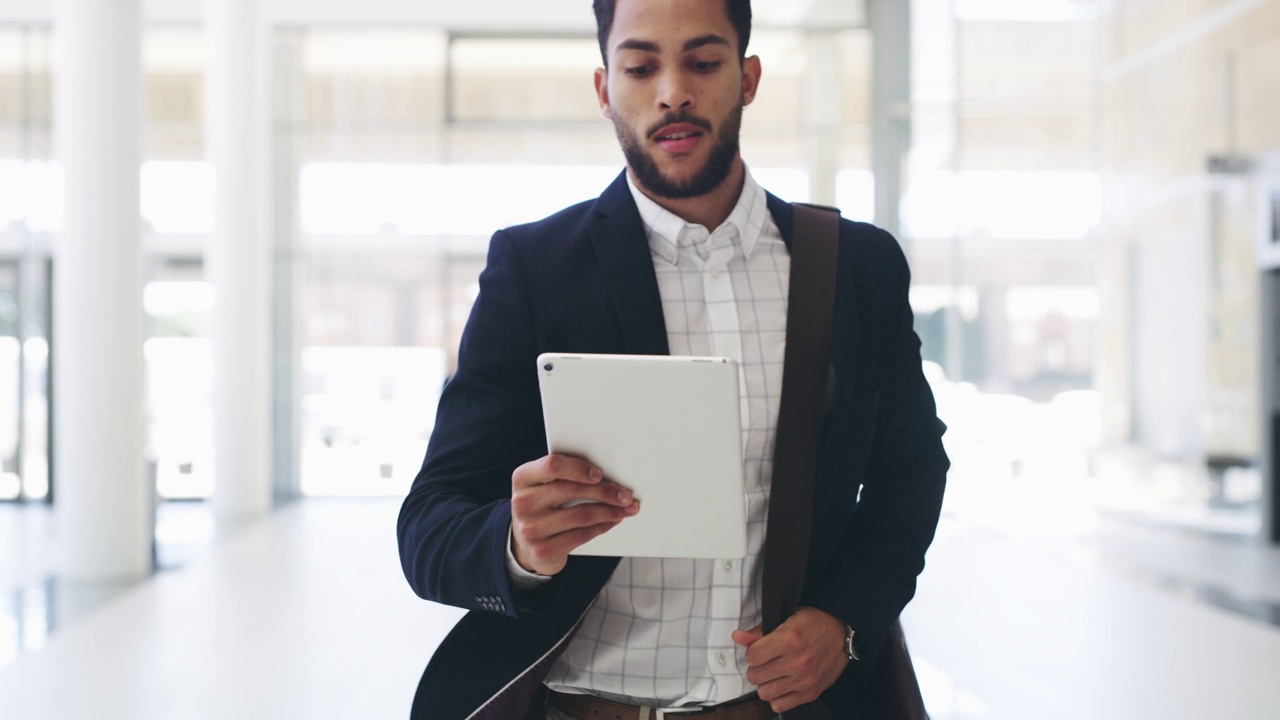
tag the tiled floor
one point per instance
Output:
(307, 616)
(1121, 623)
(35, 603)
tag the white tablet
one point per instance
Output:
(669, 429)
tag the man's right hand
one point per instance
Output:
(543, 530)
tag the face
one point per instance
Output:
(675, 91)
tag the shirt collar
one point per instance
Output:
(664, 228)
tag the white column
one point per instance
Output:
(238, 260)
(822, 115)
(890, 22)
(104, 503)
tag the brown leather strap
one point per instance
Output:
(589, 707)
(810, 307)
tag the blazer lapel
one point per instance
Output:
(617, 235)
(783, 216)
(845, 342)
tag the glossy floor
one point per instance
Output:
(306, 615)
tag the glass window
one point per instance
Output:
(1027, 205)
(383, 77)
(523, 79)
(30, 208)
(177, 198)
(413, 147)
(1077, 11)
(179, 381)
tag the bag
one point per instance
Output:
(892, 691)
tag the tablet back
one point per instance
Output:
(666, 427)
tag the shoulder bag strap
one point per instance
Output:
(810, 306)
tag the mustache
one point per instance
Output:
(685, 118)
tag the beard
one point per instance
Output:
(708, 178)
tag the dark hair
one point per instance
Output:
(739, 15)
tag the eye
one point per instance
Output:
(706, 66)
(640, 70)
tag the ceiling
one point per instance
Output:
(468, 15)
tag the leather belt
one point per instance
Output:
(590, 707)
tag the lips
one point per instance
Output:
(679, 138)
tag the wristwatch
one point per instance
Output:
(849, 649)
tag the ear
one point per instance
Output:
(602, 93)
(750, 78)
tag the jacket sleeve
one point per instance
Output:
(453, 525)
(882, 550)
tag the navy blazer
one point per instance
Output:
(583, 281)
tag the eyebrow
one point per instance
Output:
(694, 44)
(711, 39)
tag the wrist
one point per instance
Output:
(518, 570)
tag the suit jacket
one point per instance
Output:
(583, 281)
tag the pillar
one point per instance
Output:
(104, 504)
(238, 261)
(822, 114)
(890, 22)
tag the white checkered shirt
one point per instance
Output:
(660, 629)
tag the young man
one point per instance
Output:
(683, 254)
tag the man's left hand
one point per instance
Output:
(794, 664)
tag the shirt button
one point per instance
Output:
(720, 660)
(728, 564)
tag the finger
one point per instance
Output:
(561, 497)
(767, 649)
(588, 514)
(549, 556)
(570, 540)
(534, 501)
(539, 528)
(769, 675)
(564, 492)
(789, 701)
(799, 685)
(746, 638)
(556, 467)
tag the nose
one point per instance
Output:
(676, 92)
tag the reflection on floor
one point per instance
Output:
(305, 615)
(1100, 585)
(35, 602)
(1122, 622)
(1046, 610)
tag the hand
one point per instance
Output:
(543, 529)
(794, 664)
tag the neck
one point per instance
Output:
(709, 210)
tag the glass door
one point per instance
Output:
(24, 375)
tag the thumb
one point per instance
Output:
(745, 638)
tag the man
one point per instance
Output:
(683, 254)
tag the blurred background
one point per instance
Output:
(1088, 192)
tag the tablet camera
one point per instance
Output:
(548, 367)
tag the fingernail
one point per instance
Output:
(596, 475)
(633, 508)
(624, 497)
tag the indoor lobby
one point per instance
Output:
(240, 241)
